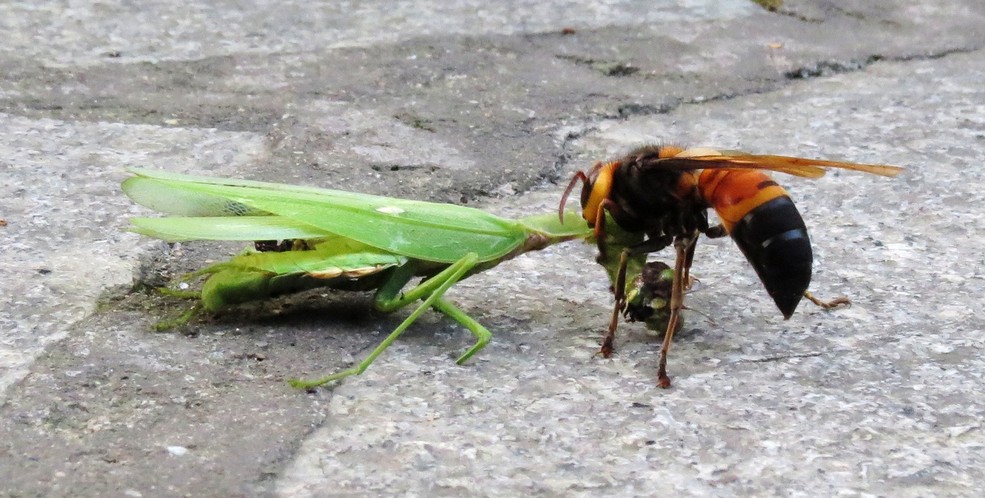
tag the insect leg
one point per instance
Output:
(430, 290)
(619, 286)
(827, 305)
(183, 294)
(181, 320)
(683, 246)
(481, 334)
(686, 278)
(619, 289)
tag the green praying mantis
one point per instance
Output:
(352, 241)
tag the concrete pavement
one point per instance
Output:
(492, 105)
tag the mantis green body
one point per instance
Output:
(352, 242)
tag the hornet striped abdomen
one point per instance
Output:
(767, 227)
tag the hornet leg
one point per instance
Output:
(827, 305)
(684, 246)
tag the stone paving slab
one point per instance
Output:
(491, 105)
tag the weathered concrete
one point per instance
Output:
(493, 108)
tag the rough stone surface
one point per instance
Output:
(492, 105)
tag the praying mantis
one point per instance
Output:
(342, 240)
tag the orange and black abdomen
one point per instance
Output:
(766, 226)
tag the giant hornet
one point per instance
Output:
(664, 193)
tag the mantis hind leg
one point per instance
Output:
(433, 289)
(482, 335)
(181, 320)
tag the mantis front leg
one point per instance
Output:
(388, 298)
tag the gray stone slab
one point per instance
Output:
(491, 105)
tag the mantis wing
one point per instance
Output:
(247, 228)
(423, 230)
